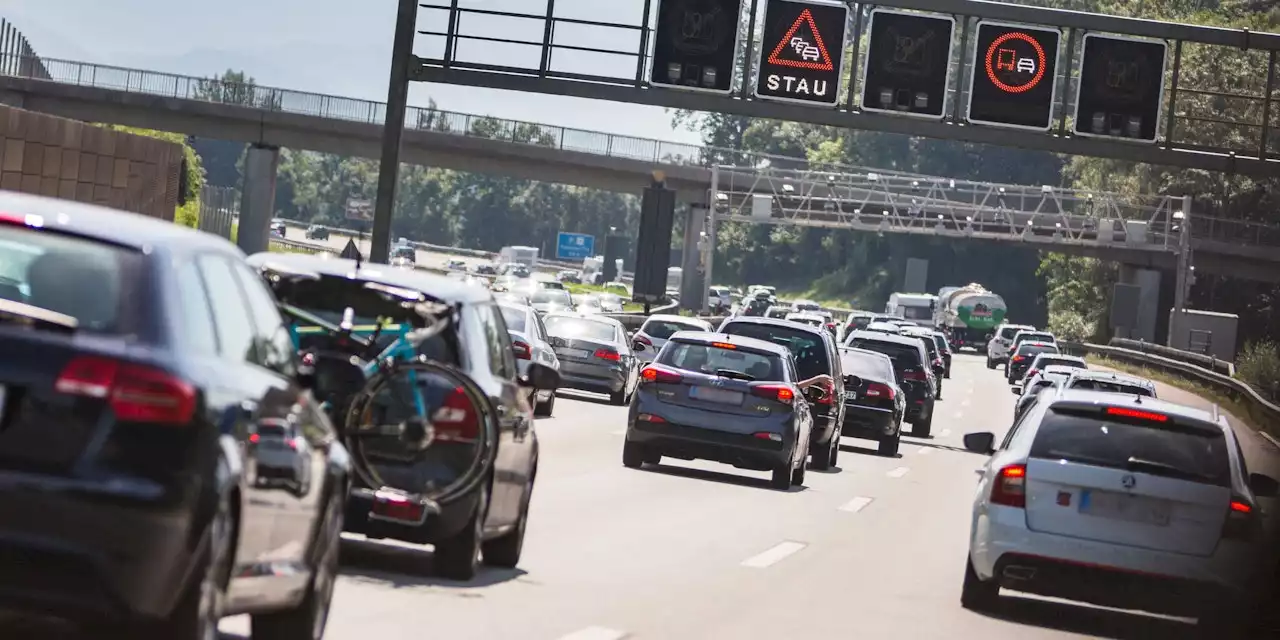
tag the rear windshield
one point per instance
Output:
(1112, 386)
(1036, 349)
(1187, 454)
(813, 322)
(915, 313)
(97, 284)
(809, 351)
(775, 312)
(1008, 333)
(859, 322)
(1036, 337)
(404, 252)
(862, 365)
(663, 329)
(569, 327)
(1047, 361)
(551, 295)
(514, 317)
(710, 359)
(903, 356)
(941, 341)
(929, 345)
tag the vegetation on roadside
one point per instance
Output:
(1229, 404)
(1258, 365)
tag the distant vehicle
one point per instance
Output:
(720, 298)
(1043, 381)
(530, 345)
(1021, 359)
(755, 306)
(406, 253)
(552, 284)
(486, 269)
(857, 320)
(587, 304)
(593, 270)
(883, 327)
(998, 346)
(548, 300)
(874, 404)
(595, 354)
(801, 306)
(1043, 360)
(279, 228)
(969, 315)
(911, 366)
(914, 307)
(456, 264)
(658, 328)
(778, 312)
(317, 232)
(610, 303)
(811, 319)
(569, 277)
(525, 256)
(1032, 336)
(675, 278)
(936, 363)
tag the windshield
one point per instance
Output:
(1036, 337)
(711, 359)
(663, 329)
(514, 316)
(583, 328)
(903, 356)
(97, 284)
(864, 365)
(1050, 361)
(1199, 455)
(930, 346)
(915, 313)
(1109, 386)
(551, 296)
(1036, 349)
(809, 350)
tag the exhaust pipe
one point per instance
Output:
(1019, 573)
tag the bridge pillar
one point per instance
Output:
(1148, 283)
(257, 199)
(692, 285)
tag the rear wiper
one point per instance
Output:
(734, 375)
(26, 315)
(1163, 469)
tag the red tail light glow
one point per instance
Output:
(649, 417)
(658, 374)
(643, 339)
(1019, 358)
(608, 354)
(1010, 487)
(918, 376)
(522, 350)
(724, 345)
(136, 393)
(456, 420)
(1242, 522)
(778, 392)
(766, 435)
(877, 390)
(1031, 373)
(1137, 414)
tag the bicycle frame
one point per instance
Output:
(400, 350)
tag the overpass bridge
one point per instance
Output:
(269, 118)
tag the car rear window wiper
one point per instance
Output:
(735, 375)
(1157, 468)
(17, 313)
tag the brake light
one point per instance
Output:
(766, 435)
(723, 345)
(649, 417)
(254, 438)
(1137, 414)
(912, 374)
(1010, 487)
(659, 374)
(456, 420)
(1019, 358)
(1031, 373)
(136, 393)
(781, 393)
(608, 354)
(877, 390)
(522, 350)
(643, 339)
(1242, 522)
(295, 443)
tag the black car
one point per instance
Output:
(911, 366)
(1021, 359)
(317, 232)
(756, 306)
(141, 359)
(874, 404)
(815, 354)
(493, 516)
(944, 347)
(936, 363)
(279, 228)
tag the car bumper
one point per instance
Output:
(117, 550)
(872, 423)
(916, 411)
(1003, 548)
(703, 443)
(595, 379)
(452, 517)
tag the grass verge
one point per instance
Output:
(1236, 408)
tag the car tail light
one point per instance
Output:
(658, 374)
(608, 354)
(1242, 521)
(912, 374)
(456, 420)
(767, 435)
(779, 392)
(643, 339)
(1018, 358)
(135, 393)
(522, 350)
(1031, 373)
(877, 390)
(295, 444)
(1010, 487)
(1137, 414)
(937, 363)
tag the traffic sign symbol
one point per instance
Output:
(1022, 72)
(1015, 79)
(908, 68)
(805, 41)
(695, 44)
(1121, 88)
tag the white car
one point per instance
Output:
(999, 347)
(1120, 501)
(529, 341)
(657, 328)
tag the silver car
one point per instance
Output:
(550, 300)
(658, 328)
(594, 354)
(529, 342)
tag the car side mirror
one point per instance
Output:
(638, 346)
(1264, 486)
(1015, 390)
(815, 394)
(983, 442)
(541, 377)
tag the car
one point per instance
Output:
(1039, 362)
(998, 347)
(520, 271)
(882, 327)
(594, 354)
(1022, 357)
(936, 363)
(489, 520)
(1031, 336)
(569, 276)
(811, 319)
(530, 345)
(914, 375)
(588, 304)
(141, 357)
(659, 327)
(874, 404)
(1121, 501)
(317, 232)
(726, 398)
(815, 353)
(1111, 382)
(857, 320)
(553, 284)
(454, 264)
(944, 347)
(754, 306)
(279, 228)
(486, 269)
(548, 300)
(405, 253)
(610, 303)
(777, 311)
(1044, 380)
(720, 299)
(801, 306)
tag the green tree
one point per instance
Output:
(235, 87)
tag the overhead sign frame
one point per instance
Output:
(979, 68)
(1160, 101)
(866, 62)
(729, 71)
(834, 61)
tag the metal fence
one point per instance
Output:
(219, 207)
(17, 57)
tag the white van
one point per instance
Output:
(914, 307)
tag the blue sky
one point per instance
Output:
(341, 47)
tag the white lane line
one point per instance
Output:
(944, 433)
(899, 472)
(965, 403)
(855, 505)
(958, 415)
(774, 555)
(620, 432)
(924, 451)
(596, 633)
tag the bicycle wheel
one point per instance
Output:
(423, 428)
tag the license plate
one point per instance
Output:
(574, 353)
(850, 396)
(1120, 506)
(722, 396)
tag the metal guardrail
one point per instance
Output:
(1264, 413)
(1221, 367)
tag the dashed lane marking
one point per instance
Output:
(944, 433)
(899, 472)
(620, 432)
(774, 555)
(596, 633)
(855, 505)
(924, 451)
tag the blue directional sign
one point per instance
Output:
(575, 246)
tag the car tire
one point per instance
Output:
(308, 619)
(633, 455)
(618, 398)
(835, 448)
(939, 395)
(544, 409)
(782, 478)
(797, 476)
(977, 594)
(991, 364)
(922, 428)
(458, 556)
(889, 447)
(196, 614)
(820, 460)
(504, 552)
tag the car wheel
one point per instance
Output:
(889, 447)
(922, 428)
(820, 459)
(618, 398)
(544, 409)
(782, 478)
(308, 619)
(991, 364)
(196, 615)
(835, 448)
(978, 594)
(939, 396)
(633, 455)
(797, 476)
(504, 552)
(458, 556)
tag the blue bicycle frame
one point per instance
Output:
(400, 350)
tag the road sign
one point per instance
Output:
(1120, 89)
(695, 44)
(575, 246)
(908, 66)
(803, 53)
(360, 210)
(351, 251)
(1014, 81)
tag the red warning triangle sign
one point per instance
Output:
(804, 49)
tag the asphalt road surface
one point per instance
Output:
(430, 259)
(701, 551)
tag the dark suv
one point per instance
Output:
(492, 517)
(911, 364)
(815, 354)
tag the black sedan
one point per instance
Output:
(1021, 359)
(142, 359)
(874, 404)
(911, 369)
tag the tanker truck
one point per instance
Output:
(969, 315)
